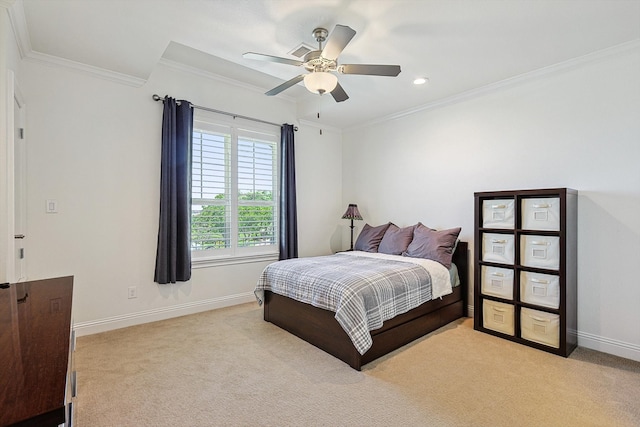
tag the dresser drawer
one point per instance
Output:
(498, 316)
(541, 327)
(541, 214)
(498, 213)
(540, 289)
(498, 248)
(497, 282)
(540, 251)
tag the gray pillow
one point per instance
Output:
(370, 237)
(396, 240)
(434, 245)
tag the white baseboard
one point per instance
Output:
(125, 320)
(598, 343)
(470, 311)
(593, 342)
(610, 346)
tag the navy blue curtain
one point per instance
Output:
(173, 257)
(288, 212)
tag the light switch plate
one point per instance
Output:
(51, 206)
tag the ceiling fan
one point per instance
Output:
(322, 64)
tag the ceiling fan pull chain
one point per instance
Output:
(318, 115)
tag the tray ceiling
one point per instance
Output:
(460, 45)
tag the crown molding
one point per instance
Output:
(21, 32)
(510, 82)
(20, 29)
(89, 70)
(19, 25)
(213, 76)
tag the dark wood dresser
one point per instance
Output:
(35, 344)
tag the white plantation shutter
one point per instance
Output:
(211, 189)
(257, 168)
(234, 190)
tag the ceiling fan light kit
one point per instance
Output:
(320, 82)
(322, 63)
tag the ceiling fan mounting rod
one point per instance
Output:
(320, 34)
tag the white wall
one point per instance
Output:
(578, 128)
(94, 146)
(319, 185)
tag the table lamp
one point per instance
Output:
(352, 213)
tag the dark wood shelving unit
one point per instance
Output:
(525, 270)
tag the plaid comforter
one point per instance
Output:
(362, 289)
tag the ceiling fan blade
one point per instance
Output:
(338, 39)
(339, 94)
(370, 70)
(285, 85)
(261, 57)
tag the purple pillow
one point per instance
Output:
(433, 245)
(370, 237)
(396, 240)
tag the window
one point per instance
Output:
(234, 189)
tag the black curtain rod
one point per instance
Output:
(159, 98)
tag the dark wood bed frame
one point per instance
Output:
(319, 327)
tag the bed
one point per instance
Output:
(319, 326)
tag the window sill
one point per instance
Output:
(232, 260)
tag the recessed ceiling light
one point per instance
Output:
(420, 81)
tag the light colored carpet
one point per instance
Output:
(228, 367)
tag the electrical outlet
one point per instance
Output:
(132, 292)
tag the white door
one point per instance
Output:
(19, 191)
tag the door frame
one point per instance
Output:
(21, 181)
(14, 95)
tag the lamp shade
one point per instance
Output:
(352, 213)
(320, 82)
